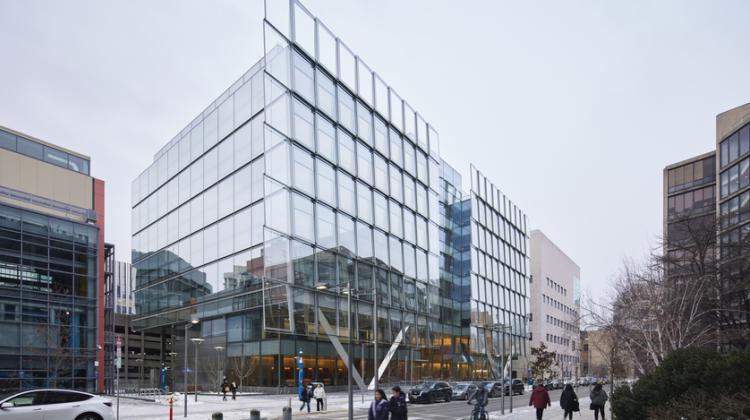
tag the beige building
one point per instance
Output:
(52, 251)
(555, 303)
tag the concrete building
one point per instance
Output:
(307, 182)
(712, 191)
(51, 267)
(555, 303)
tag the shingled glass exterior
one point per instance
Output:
(307, 176)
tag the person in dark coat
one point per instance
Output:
(379, 407)
(397, 404)
(224, 388)
(233, 388)
(539, 399)
(305, 396)
(569, 402)
(598, 399)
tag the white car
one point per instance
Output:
(54, 404)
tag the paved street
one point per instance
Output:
(271, 408)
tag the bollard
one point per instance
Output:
(286, 413)
(254, 415)
(217, 416)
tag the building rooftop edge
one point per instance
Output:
(46, 143)
(691, 159)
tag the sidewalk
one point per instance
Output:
(555, 412)
(270, 407)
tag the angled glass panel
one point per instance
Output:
(326, 48)
(365, 82)
(304, 171)
(326, 180)
(347, 66)
(326, 90)
(326, 138)
(347, 151)
(325, 220)
(304, 29)
(364, 163)
(346, 110)
(304, 128)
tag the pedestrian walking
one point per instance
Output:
(569, 402)
(598, 399)
(397, 404)
(379, 407)
(305, 396)
(224, 388)
(320, 396)
(233, 388)
(539, 399)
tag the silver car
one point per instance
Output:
(54, 404)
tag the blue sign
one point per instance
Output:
(528, 375)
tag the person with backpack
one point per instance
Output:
(598, 399)
(539, 399)
(569, 402)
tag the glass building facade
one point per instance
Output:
(309, 177)
(48, 301)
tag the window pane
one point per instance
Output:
(326, 138)
(381, 211)
(396, 220)
(242, 188)
(326, 94)
(347, 241)
(226, 117)
(397, 262)
(303, 218)
(243, 142)
(303, 77)
(226, 237)
(380, 247)
(409, 226)
(396, 182)
(346, 193)
(365, 82)
(381, 137)
(326, 177)
(364, 240)
(303, 125)
(226, 156)
(304, 172)
(364, 202)
(243, 103)
(346, 110)
(226, 197)
(364, 123)
(29, 148)
(277, 211)
(7, 141)
(381, 174)
(364, 163)
(410, 158)
(55, 157)
(277, 163)
(326, 226)
(303, 260)
(347, 151)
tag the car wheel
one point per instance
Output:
(89, 416)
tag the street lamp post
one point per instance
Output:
(197, 341)
(350, 349)
(192, 322)
(218, 363)
(502, 328)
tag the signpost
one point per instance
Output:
(118, 365)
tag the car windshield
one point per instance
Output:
(460, 387)
(426, 385)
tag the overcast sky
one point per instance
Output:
(572, 108)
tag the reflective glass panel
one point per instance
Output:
(326, 177)
(326, 138)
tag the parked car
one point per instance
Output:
(431, 392)
(463, 390)
(517, 386)
(494, 389)
(42, 404)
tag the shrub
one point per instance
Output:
(690, 383)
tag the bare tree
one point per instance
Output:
(242, 368)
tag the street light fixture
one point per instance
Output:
(193, 321)
(197, 341)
